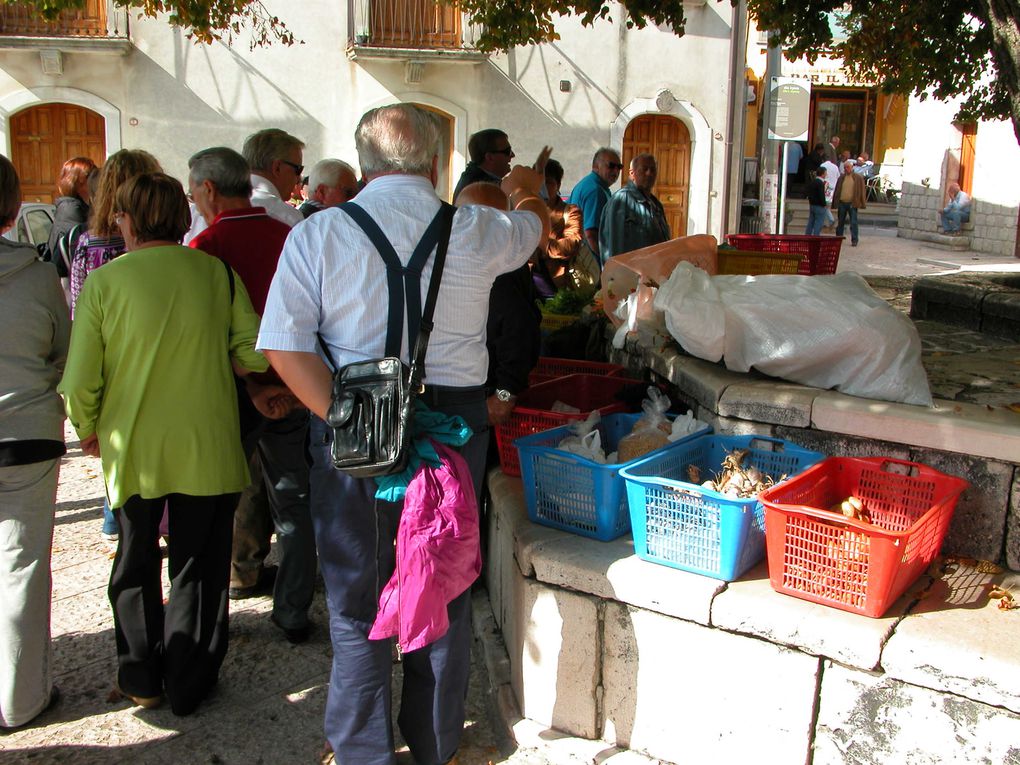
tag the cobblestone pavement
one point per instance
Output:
(269, 703)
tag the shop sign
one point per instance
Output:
(791, 111)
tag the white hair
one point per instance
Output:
(328, 171)
(398, 138)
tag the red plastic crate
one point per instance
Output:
(821, 253)
(533, 414)
(821, 556)
(549, 368)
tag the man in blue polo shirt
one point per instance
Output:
(592, 192)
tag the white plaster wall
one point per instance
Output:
(184, 96)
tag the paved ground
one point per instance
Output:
(269, 703)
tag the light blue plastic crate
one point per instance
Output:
(680, 524)
(572, 493)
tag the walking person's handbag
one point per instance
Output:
(372, 409)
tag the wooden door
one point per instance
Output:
(968, 152)
(44, 137)
(668, 140)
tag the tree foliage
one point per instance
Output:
(204, 20)
(946, 49)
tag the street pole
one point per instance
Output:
(769, 148)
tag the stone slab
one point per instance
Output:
(703, 381)
(868, 719)
(554, 656)
(1013, 525)
(611, 571)
(956, 640)
(750, 606)
(949, 426)
(775, 402)
(978, 525)
(686, 693)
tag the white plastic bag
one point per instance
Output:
(823, 331)
(585, 439)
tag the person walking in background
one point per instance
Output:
(957, 211)
(634, 217)
(148, 388)
(36, 325)
(816, 203)
(831, 179)
(592, 192)
(849, 198)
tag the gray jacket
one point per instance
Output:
(35, 328)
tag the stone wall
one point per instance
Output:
(993, 227)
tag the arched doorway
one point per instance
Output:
(669, 141)
(44, 137)
(444, 186)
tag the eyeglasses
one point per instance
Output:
(614, 165)
(508, 151)
(296, 168)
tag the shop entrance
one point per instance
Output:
(668, 140)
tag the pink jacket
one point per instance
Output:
(438, 553)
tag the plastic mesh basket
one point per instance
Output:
(549, 368)
(820, 253)
(533, 412)
(819, 555)
(570, 492)
(758, 263)
(682, 525)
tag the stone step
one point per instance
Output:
(940, 241)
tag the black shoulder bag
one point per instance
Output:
(372, 409)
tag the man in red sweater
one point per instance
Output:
(250, 242)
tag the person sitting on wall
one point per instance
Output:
(957, 211)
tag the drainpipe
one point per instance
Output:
(738, 49)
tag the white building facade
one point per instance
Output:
(132, 82)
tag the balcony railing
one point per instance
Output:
(96, 20)
(411, 24)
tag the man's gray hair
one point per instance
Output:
(400, 138)
(639, 157)
(261, 149)
(603, 150)
(327, 171)
(227, 170)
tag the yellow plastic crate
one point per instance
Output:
(745, 262)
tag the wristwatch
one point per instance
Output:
(504, 395)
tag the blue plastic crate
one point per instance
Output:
(680, 524)
(572, 493)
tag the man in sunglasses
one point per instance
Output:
(490, 155)
(592, 192)
(275, 157)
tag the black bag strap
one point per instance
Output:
(230, 278)
(404, 282)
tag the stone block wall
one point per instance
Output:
(994, 226)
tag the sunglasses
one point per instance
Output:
(508, 151)
(296, 168)
(614, 165)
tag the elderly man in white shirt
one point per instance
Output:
(331, 283)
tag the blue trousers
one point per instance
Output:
(845, 208)
(355, 536)
(953, 219)
(815, 221)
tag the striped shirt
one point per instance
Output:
(331, 280)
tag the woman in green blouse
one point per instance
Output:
(148, 388)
